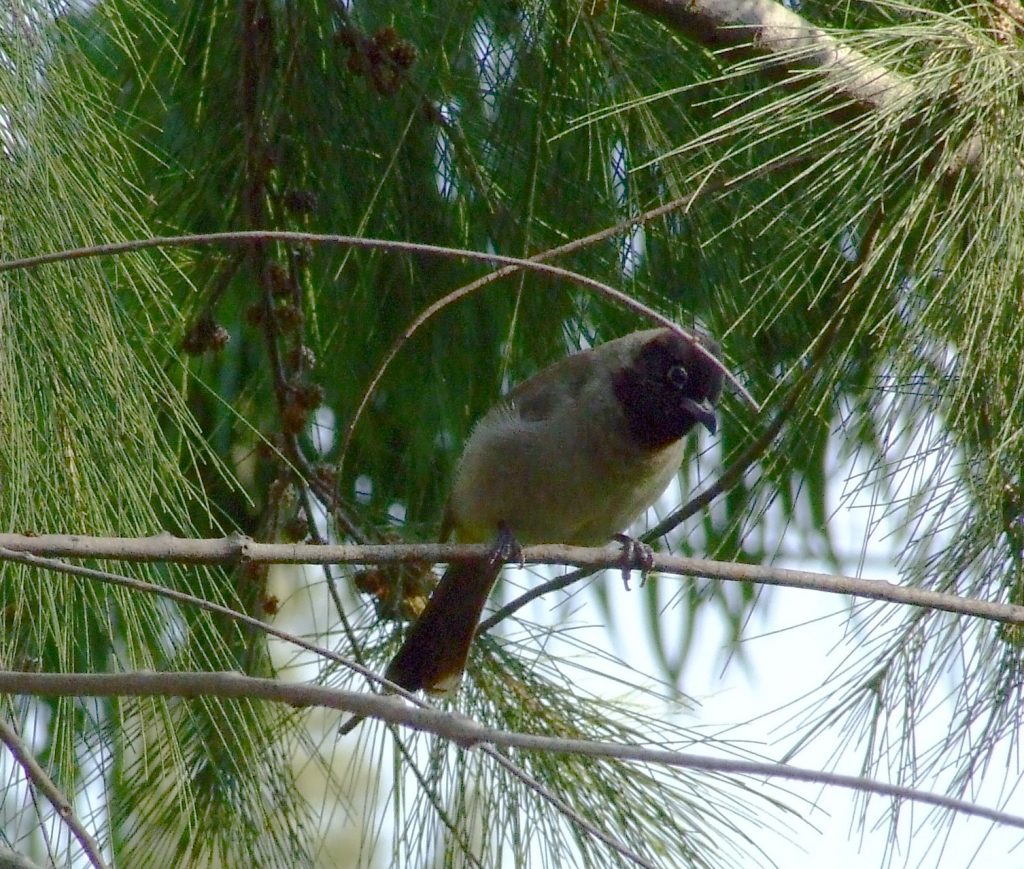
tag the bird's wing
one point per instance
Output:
(539, 397)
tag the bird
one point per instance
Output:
(572, 455)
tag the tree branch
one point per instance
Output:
(457, 728)
(795, 52)
(766, 29)
(237, 548)
(61, 804)
(394, 711)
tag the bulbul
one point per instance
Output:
(572, 455)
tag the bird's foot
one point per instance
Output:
(506, 548)
(635, 553)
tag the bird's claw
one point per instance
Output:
(635, 553)
(506, 548)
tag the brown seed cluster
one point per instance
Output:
(398, 591)
(384, 58)
(205, 335)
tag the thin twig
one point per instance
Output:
(61, 804)
(710, 186)
(457, 728)
(817, 355)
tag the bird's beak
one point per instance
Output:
(703, 412)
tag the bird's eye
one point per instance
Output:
(678, 377)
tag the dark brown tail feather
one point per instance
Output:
(436, 646)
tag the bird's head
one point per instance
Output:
(666, 386)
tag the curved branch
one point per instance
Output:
(714, 185)
(457, 728)
(494, 259)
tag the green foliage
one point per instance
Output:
(97, 440)
(861, 268)
(469, 807)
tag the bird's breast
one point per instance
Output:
(574, 477)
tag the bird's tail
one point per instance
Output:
(433, 654)
(435, 649)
